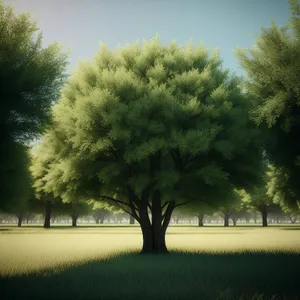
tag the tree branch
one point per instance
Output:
(183, 203)
(166, 217)
(165, 204)
(115, 200)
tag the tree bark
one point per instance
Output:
(226, 220)
(20, 219)
(154, 241)
(47, 214)
(200, 220)
(131, 219)
(74, 221)
(264, 215)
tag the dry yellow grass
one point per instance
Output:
(23, 250)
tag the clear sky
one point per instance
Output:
(82, 24)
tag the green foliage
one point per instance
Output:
(100, 210)
(16, 181)
(30, 78)
(273, 87)
(30, 75)
(280, 192)
(148, 119)
(232, 203)
(259, 198)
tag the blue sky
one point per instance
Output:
(81, 25)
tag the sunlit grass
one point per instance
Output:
(101, 262)
(32, 249)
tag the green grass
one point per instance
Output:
(102, 263)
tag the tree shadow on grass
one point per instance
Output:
(175, 276)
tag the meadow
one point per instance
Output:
(102, 262)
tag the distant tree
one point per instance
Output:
(238, 213)
(198, 209)
(74, 209)
(273, 85)
(100, 211)
(78, 208)
(292, 213)
(150, 129)
(259, 198)
(30, 77)
(231, 206)
(41, 160)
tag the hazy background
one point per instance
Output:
(82, 24)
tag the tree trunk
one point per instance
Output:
(74, 221)
(200, 220)
(234, 220)
(131, 219)
(102, 220)
(226, 220)
(20, 219)
(293, 220)
(264, 215)
(154, 241)
(47, 214)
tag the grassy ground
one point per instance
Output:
(102, 263)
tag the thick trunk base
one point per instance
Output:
(154, 241)
(226, 221)
(74, 221)
(264, 218)
(200, 222)
(20, 219)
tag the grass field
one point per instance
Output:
(102, 263)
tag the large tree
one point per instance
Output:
(151, 128)
(273, 85)
(30, 80)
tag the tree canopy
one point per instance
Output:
(150, 128)
(272, 84)
(31, 77)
